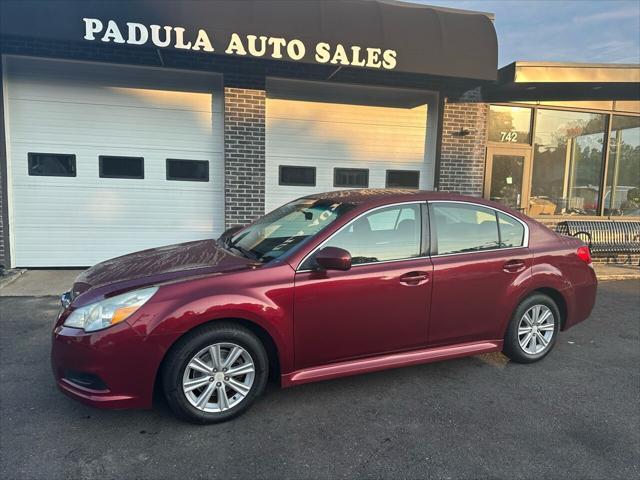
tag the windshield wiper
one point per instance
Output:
(244, 252)
(228, 244)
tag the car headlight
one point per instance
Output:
(110, 311)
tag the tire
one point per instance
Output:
(219, 340)
(516, 346)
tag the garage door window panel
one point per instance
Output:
(187, 170)
(121, 167)
(297, 176)
(392, 233)
(403, 179)
(351, 177)
(460, 228)
(52, 165)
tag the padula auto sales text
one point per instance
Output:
(260, 46)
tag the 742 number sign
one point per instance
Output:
(511, 137)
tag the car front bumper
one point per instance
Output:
(112, 368)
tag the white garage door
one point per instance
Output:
(106, 160)
(323, 137)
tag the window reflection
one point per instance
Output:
(511, 231)
(509, 124)
(567, 162)
(461, 228)
(390, 233)
(285, 227)
(622, 196)
(506, 179)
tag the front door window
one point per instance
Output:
(507, 173)
(390, 233)
(506, 179)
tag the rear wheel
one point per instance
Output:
(215, 373)
(533, 329)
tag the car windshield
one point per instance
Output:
(286, 227)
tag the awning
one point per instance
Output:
(385, 35)
(555, 81)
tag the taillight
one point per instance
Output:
(584, 254)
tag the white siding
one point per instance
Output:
(311, 124)
(99, 109)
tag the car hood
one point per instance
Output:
(158, 265)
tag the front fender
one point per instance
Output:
(271, 317)
(178, 309)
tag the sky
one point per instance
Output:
(591, 31)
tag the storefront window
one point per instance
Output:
(567, 162)
(509, 124)
(622, 196)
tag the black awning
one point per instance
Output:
(371, 34)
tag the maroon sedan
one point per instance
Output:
(326, 286)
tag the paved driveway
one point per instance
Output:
(573, 415)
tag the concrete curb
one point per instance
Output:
(617, 272)
(10, 277)
(623, 276)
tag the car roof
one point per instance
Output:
(372, 197)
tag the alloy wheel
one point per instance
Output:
(536, 329)
(218, 377)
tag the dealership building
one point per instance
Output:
(133, 125)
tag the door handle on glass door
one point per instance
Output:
(414, 278)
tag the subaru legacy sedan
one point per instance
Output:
(326, 286)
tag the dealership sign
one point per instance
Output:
(259, 46)
(378, 36)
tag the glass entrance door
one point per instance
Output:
(508, 176)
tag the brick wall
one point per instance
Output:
(244, 155)
(462, 155)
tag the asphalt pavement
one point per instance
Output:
(576, 414)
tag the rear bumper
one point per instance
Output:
(123, 363)
(584, 299)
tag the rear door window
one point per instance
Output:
(461, 228)
(511, 231)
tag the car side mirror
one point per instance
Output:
(230, 232)
(333, 258)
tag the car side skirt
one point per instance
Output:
(384, 362)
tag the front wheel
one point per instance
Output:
(215, 373)
(533, 329)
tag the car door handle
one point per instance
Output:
(414, 278)
(514, 266)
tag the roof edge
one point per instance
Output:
(519, 72)
(489, 15)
